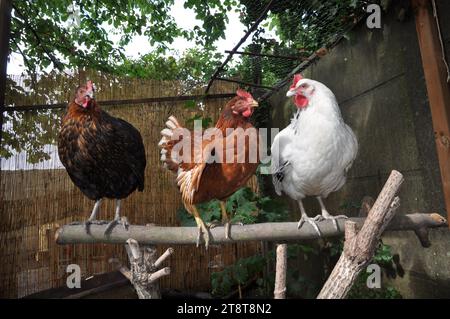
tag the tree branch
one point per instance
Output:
(143, 273)
(25, 59)
(75, 233)
(359, 247)
(52, 58)
(163, 257)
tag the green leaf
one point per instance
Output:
(240, 274)
(190, 104)
(185, 218)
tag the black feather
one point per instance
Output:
(279, 175)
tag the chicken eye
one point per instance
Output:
(304, 86)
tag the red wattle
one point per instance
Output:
(301, 101)
(85, 102)
(248, 112)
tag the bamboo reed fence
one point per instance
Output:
(35, 201)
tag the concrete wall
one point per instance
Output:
(378, 80)
(443, 9)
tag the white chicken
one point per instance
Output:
(312, 155)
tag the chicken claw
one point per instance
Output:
(325, 215)
(89, 222)
(122, 220)
(86, 225)
(92, 219)
(225, 224)
(200, 226)
(312, 221)
(226, 220)
(228, 228)
(202, 230)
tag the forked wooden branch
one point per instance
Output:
(143, 273)
(359, 247)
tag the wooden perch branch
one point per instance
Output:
(163, 257)
(158, 274)
(359, 247)
(75, 233)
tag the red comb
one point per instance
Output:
(243, 94)
(297, 78)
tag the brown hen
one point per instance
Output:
(214, 163)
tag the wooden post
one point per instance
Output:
(280, 273)
(5, 26)
(437, 88)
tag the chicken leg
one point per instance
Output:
(117, 220)
(326, 215)
(93, 214)
(202, 229)
(310, 220)
(225, 221)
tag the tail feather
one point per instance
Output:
(167, 132)
(167, 143)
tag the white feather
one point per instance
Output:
(167, 132)
(174, 120)
(171, 125)
(163, 141)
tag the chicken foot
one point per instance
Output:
(92, 219)
(225, 221)
(310, 220)
(117, 219)
(202, 229)
(326, 215)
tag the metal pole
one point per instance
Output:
(245, 83)
(275, 56)
(23, 108)
(253, 28)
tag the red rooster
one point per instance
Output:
(200, 176)
(103, 155)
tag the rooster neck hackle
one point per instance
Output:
(229, 120)
(78, 113)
